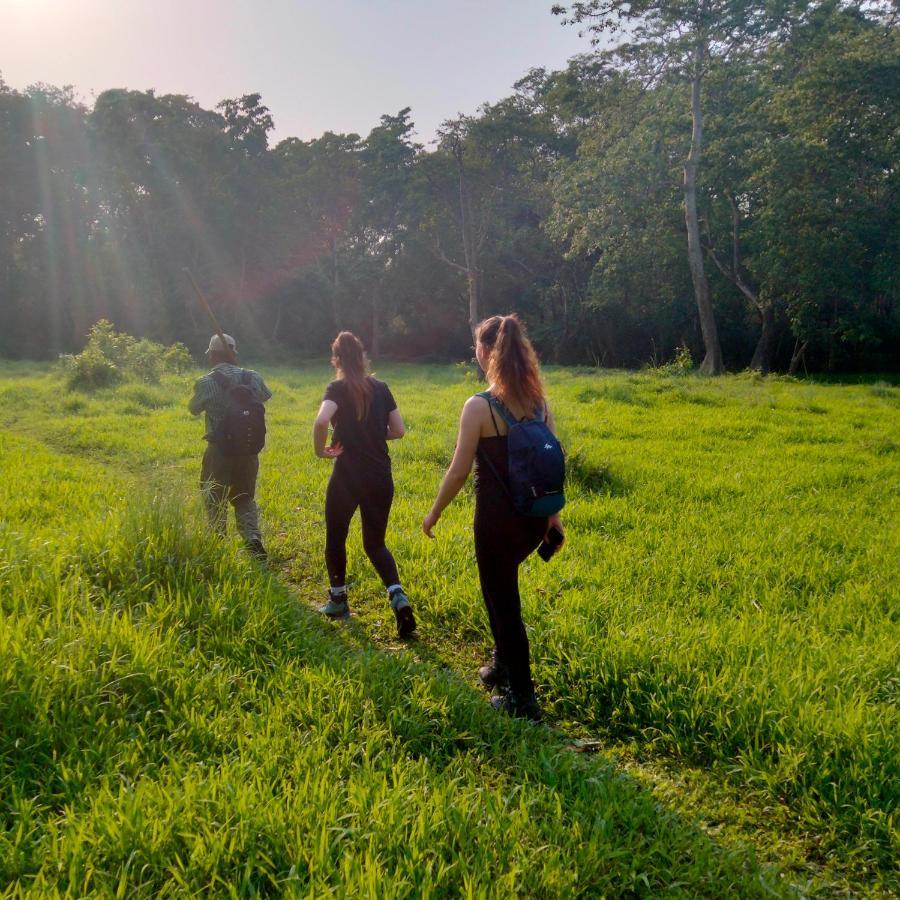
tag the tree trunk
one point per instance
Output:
(335, 284)
(765, 346)
(472, 284)
(470, 252)
(712, 362)
(797, 357)
(276, 326)
(375, 343)
(563, 344)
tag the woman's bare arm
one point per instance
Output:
(320, 431)
(395, 427)
(461, 465)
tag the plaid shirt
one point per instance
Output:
(210, 397)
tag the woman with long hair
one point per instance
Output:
(503, 538)
(364, 417)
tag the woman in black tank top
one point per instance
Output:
(503, 538)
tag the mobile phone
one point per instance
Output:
(548, 546)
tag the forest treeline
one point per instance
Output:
(723, 179)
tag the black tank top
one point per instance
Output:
(492, 472)
(491, 456)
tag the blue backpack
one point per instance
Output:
(537, 467)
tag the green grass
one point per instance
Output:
(723, 625)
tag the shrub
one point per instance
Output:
(91, 369)
(682, 364)
(176, 358)
(109, 356)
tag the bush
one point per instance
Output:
(176, 358)
(109, 356)
(91, 369)
(682, 364)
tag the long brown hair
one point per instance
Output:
(348, 356)
(513, 367)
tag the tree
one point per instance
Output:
(388, 160)
(617, 206)
(678, 40)
(460, 182)
(829, 222)
(247, 123)
(736, 113)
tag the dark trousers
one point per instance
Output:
(503, 540)
(373, 495)
(230, 479)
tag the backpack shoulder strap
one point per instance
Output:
(486, 395)
(221, 379)
(245, 377)
(507, 416)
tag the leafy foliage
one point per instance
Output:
(564, 201)
(109, 356)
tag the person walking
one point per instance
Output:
(231, 462)
(503, 537)
(364, 417)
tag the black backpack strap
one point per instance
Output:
(221, 379)
(245, 378)
(486, 395)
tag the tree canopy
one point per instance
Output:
(722, 178)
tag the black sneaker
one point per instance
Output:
(494, 674)
(520, 707)
(406, 621)
(257, 550)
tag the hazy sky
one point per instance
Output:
(318, 65)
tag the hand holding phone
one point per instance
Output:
(550, 543)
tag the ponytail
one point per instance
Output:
(513, 367)
(348, 356)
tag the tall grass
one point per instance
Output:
(727, 598)
(173, 720)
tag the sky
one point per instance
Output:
(320, 66)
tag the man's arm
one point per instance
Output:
(201, 396)
(262, 388)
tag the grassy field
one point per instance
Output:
(721, 632)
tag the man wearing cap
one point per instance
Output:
(224, 477)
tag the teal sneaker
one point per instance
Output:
(336, 608)
(406, 621)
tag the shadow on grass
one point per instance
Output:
(594, 477)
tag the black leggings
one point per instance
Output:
(502, 542)
(373, 495)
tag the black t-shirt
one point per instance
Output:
(364, 441)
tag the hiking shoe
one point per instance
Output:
(520, 707)
(256, 549)
(336, 608)
(494, 674)
(406, 621)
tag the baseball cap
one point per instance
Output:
(215, 344)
